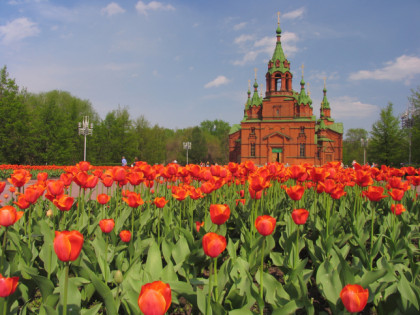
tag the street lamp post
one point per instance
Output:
(187, 146)
(364, 143)
(84, 130)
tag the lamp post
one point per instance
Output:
(187, 146)
(84, 130)
(364, 143)
(407, 122)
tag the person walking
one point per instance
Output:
(124, 161)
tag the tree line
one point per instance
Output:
(42, 128)
(394, 139)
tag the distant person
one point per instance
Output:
(123, 161)
(135, 161)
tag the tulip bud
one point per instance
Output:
(118, 277)
(49, 213)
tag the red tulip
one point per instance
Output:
(68, 245)
(160, 202)
(198, 225)
(354, 297)
(396, 194)
(213, 244)
(106, 225)
(19, 178)
(2, 186)
(64, 202)
(219, 213)
(103, 198)
(133, 199)
(107, 181)
(374, 193)
(125, 236)
(42, 176)
(55, 188)
(8, 285)
(22, 203)
(265, 224)
(9, 215)
(295, 192)
(300, 216)
(155, 298)
(397, 209)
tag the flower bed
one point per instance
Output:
(234, 239)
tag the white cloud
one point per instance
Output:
(403, 68)
(243, 38)
(239, 26)
(347, 107)
(220, 80)
(142, 7)
(298, 13)
(17, 30)
(112, 8)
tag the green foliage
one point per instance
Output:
(387, 144)
(352, 149)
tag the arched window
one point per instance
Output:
(277, 82)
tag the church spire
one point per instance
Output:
(279, 61)
(303, 99)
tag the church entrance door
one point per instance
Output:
(276, 154)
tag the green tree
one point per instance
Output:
(198, 150)
(413, 130)
(387, 143)
(217, 137)
(14, 122)
(352, 149)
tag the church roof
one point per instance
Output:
(234, 128)
(278, 55)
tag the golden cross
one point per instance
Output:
(309, 92)
(302, 69)
(278, 18)
(249, 84)
(325, 84)
(255, 69)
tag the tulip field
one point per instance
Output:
(234, 239)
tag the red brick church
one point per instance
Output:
(281, 126)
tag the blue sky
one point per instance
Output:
(180, 62)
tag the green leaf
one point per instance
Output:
(180, 251)
(105, 292)
(407, 293)
(289, 308)
(154, 261)
(329, 283)
(92, 311)
(371, 276)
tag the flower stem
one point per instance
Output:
(66, 281)
(210, 291)
(106, 260)
(3, 253)
(216, 293)
(371, 238)
(297, 246)
(261, 275)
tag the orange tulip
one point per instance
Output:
(397, 209)
(103, 198)
(19, 178)
(68, 245)
(9, 215)
(125, 236)
(396, 194)
(300, 216)
(107, 181)
(64, 202)
(67, 179)
(354, 297)
(295, 192)
(160, 202)
(199, 225)
(133, 199)
(219, 214)
(8, 285)
(155, 298)
(265, 224)
(374, 193)
(22, 203)
(55, 188)
(42, 176)
(107, 225)
(213, 244)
